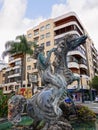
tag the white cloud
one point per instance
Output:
(87, 11)
(11, 15)
(13, 21)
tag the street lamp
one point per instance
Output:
(82, 89)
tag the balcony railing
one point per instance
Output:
(14, 75)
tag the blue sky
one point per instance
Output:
(17, 16)
(36, 8)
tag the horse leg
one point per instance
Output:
(55, 103)
(56, 108)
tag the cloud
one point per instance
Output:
(13, 21)
(87, 11)
(11, 14)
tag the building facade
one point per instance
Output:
(2, 77)
(82, 61)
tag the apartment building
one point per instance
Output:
(82, 61)
(2, 77)
(13, 74)
(3, 67)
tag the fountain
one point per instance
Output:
(45, 105)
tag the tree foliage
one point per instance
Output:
(19, 46)
(3, 104)
(94, 83)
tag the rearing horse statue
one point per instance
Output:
(45, 104)
(67, 44)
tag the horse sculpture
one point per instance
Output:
(45, 104)
(68, 43)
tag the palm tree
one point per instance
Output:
(20, 46)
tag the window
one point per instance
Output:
(47, 34)
(68, 28)
(47, 26)
(42, 28)
(36, 32)
(28, 59)
(18, 62)
(42, 37)
(36, 39)
(42, 44)
(29, 67)
(48, 43)
(18, 70)
(35, 65)
(17, 79)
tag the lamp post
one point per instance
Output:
(82, 89)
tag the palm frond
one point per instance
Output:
(21, 45)
(5, 53)
(8, 44)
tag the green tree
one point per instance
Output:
(20, 46)
(3, 104)
(94, 83)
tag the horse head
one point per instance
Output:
(15, 108)
(37, 50)
(68, 43)
(72, 41)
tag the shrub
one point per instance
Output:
(4, 104)
(85, 114)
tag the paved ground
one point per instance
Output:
(93, 106)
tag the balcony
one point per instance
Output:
(14, 75)
(83, 66)
(77, 52)
(8, 69)
(68, 24)
(63, 34)
(73, 65)
(95, 61)
(14, 60)
(11, 83)
(16, 67)
(7, 91)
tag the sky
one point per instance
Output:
(18, 16)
